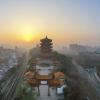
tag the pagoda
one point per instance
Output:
(46, 47)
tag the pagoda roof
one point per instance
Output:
(46, 39)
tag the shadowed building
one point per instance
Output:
(46, 48)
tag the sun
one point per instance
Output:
(27, 34)
(28, 37)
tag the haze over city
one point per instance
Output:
(49, 49)
(65, 21)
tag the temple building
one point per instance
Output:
(46, 47)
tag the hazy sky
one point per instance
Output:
(65, 21)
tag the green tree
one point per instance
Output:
(24, 92)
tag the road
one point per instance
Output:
(44, 88)
(95, 78)
(44, 93)
(90, 76)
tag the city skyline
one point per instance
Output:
(65, 21)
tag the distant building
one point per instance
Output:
(76, 49)
(97, 51)
(8, 59)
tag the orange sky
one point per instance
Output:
(25, 22)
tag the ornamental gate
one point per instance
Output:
(44, 80)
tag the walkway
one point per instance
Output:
(44, 93)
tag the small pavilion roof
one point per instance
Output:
(59, 75)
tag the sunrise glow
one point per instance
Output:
(26, 21)
(27, 34)
(28, 37)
